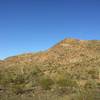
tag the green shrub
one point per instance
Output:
(20, 79)
(6, 78)
(94, 73)
(90, 85)
(18, 88)
(46, 83)
(67, 83)
(35, 71)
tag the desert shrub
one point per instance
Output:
(65, 80)
(1, 77)
(6, 78)
(94, 73)
(62, 75)
(66, 83)
(35, 71)
(46, 83)
(20, 79)
(90, 84)
(84, 95)
(18, 88)
(98, 85)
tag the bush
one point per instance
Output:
(94, 74)
(67, 83)
(18, 88)
(46, 83)
(20, 79)
(90, 85)
(6, 78)
(35, 71)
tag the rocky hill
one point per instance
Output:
(62, 69)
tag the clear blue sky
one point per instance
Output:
(34, 25)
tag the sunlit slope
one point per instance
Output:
(70, 68)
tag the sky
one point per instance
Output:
(36, 25)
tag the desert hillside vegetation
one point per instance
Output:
(70, 70)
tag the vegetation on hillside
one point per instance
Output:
(68, 71)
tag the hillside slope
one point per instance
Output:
(67, 67)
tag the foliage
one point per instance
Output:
(46, 83)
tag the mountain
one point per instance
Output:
(71, 60)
